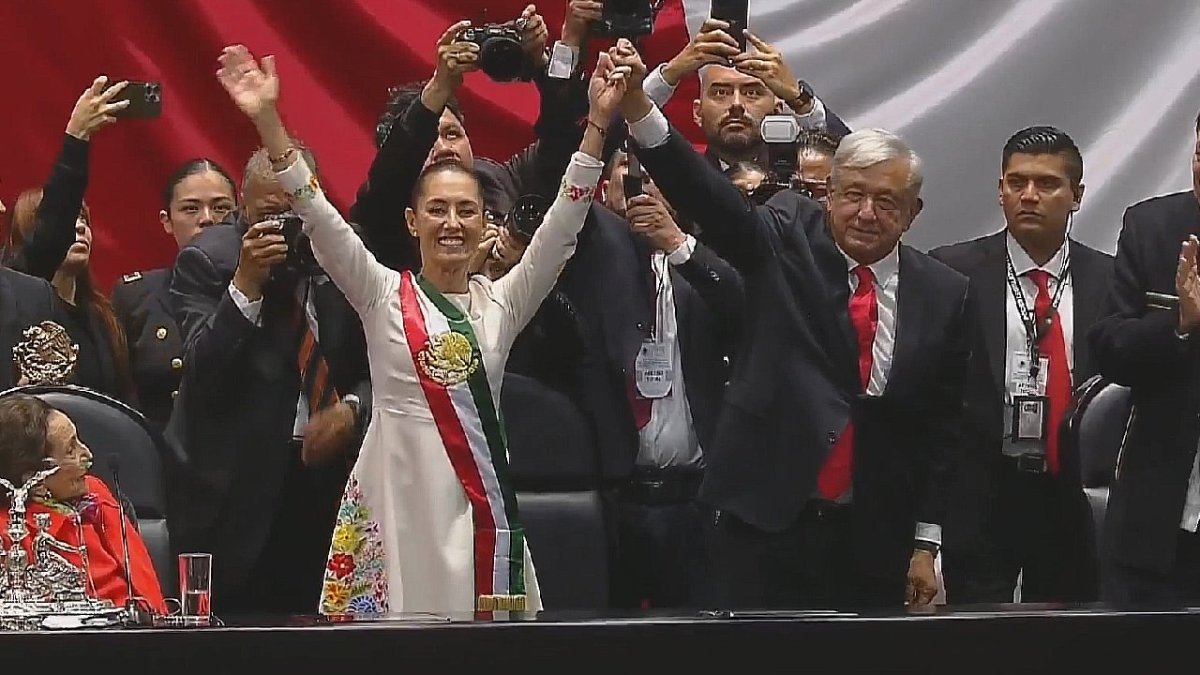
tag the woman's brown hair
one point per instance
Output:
(24, 429)
(24, 213)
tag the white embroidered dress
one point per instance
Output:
(405, 536)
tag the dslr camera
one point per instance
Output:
(779, 133)
(300, 259)
(501, 56)
(626, 19)
(526, 216)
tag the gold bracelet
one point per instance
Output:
(280, 159)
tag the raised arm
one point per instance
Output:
(53, 233)
(727, 220)
(362, 279)
(527, 284)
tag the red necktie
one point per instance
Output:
(834, 479)
(318, 391)
(1052, 345)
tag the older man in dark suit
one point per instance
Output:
(830, 458)
(1018, 507)
(273, 403)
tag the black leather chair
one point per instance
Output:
(553, 467)
(116, 432)
(1096, 426)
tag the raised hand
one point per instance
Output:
(576, 24)
(649, 216)
(606, 89)
(1187, 286)
(455, 57)
(94, 109)
(767, 64)
(534, 35)
(712, 44)
(254, 88)
(635, 105)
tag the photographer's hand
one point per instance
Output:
(533, 36)
(580, 15)
(95, 108)
(767, 64)
(454, 59)
(711, 45)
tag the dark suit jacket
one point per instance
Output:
(1136, 345)
(233, 420)
(142, 304)
(609, 280)
(24, 301)
(795, 381)
(983, 261)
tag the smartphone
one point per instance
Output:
(145, 100)
(631, 182)
(737, 14)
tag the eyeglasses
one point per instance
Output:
(879, 203)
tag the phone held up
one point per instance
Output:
(737, 14)
(145, 99)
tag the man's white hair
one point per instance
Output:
(868, 147)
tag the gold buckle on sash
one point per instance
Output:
(500, 603)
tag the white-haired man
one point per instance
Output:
(833, 449)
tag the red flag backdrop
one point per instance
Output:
(336, 57)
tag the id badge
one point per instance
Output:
(1029, 418)
(652, 369)
(1026, 382)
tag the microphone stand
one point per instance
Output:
(136, 614)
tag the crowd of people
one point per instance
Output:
(790, 407)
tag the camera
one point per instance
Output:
(779, 133)
(501, 56)
(526, 216)
(625, 19)
(300, 259)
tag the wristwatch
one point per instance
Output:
(804, 99)
(355, 404)
(925, 545)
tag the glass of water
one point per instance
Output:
(195, 588)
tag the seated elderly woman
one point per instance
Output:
(83, 514)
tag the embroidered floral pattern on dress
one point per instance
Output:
(576, 192)
(308, 190)
(355, 577)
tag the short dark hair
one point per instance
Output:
(191, 168)
(1044, 140)
(24, 431)
(448, 165)
(399, 99)
(819, 140)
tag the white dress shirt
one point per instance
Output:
(1017, 336)
(669, 438)
(252, 310)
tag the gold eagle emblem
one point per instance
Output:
(448, 358)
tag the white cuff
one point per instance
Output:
(563, 58)
(930, 532)
(816, 118)
(656, 87)
(684, 252)
(251, 309)
(652, 130)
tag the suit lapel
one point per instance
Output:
(910, 316)
(841, 336)
(991, 286)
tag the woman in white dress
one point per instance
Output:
(428, 521)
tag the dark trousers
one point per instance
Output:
(1039, 537)
(290, 571)
(810, 565)
(659, 561)
(1128, 586)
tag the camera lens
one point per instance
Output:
(526, 215)
(501, 57)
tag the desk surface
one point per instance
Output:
(986, 640)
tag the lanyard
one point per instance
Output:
(662, 286)
(1035, 329)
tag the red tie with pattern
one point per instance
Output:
(1052, 345)
(318, 391)
(835, 477)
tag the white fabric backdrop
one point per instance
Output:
(957, 77)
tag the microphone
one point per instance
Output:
(131, 605)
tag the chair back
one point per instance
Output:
(553, 467)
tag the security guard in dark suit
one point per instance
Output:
(155, 343)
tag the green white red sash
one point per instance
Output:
(450, 368)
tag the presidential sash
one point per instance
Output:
(450, 368)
